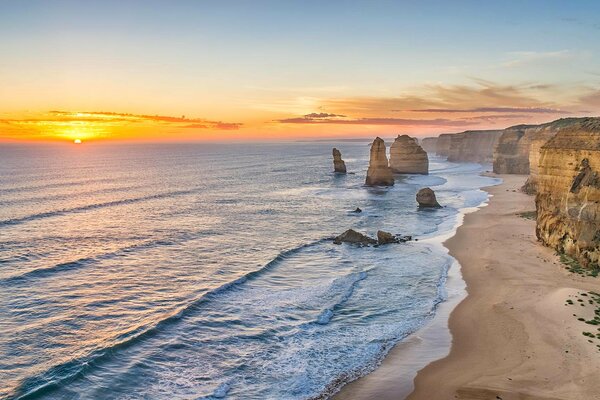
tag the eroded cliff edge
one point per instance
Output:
(468, 146)
(568, 191)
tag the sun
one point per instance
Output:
(77, 141)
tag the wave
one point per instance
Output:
(36, 386)
(39, 273)
(64, 196)
(348, 376)
(354, 278)
(55, 185)
(54, 213)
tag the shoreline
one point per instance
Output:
(513, 337)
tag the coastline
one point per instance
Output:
(513, 337)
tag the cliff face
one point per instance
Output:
(407, 157)
(442, 146)
(518, 148)
(379, 172)
(568, 196)
(339, 165)
(429, 144)
(511, 155)
(473, 146)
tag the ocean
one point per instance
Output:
(201, 271)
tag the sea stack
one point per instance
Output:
(408, 157)
(339, 166)
(379, 172)
(426, 198)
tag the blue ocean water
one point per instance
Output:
(199, 271)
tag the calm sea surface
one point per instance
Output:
(197, 271)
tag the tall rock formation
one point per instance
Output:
(407, 157)
(568, 191)
(429, 144)
(339, 166)
(379, 172)
(473, 146)
(442, 146)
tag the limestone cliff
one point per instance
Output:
(518, 150)
(407, 157)
(511, 155)
(473, 146)
(379, 172)
(442, 146)
(568, 191)
(339, 165)
(429, 144)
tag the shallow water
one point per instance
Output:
(206, 271)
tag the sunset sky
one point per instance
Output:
(242, 70)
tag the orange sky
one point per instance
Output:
(100, 71)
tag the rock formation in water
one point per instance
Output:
(429, 144)
(442, 145)
(407, 157)
(384, 237)
(426, 198)
(379, 172)
(568, 191)
(351, 236)
(339, 165)
(473, 146)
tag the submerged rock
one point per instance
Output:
(351, 236)
(379, 172)
(426, 198)
(339, 165)
(407, 157)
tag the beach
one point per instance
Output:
(515, 335)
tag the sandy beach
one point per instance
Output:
(515, 335)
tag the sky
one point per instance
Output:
(270, 70)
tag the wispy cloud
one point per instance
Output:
(527, 110)
(520, 58)
(377, 121)
(108, 118)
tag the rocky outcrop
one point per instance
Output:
(353, 237)
(426, 198)
(429, 144)
(568, 191)
(407, 157)
(442, 145)
(379, 172)
(339, 166)
(384, 237)
(473, 146)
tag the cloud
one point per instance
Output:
(109, 118)
(527, 110)
(378, 121)
(322, 115)
(520, 58)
